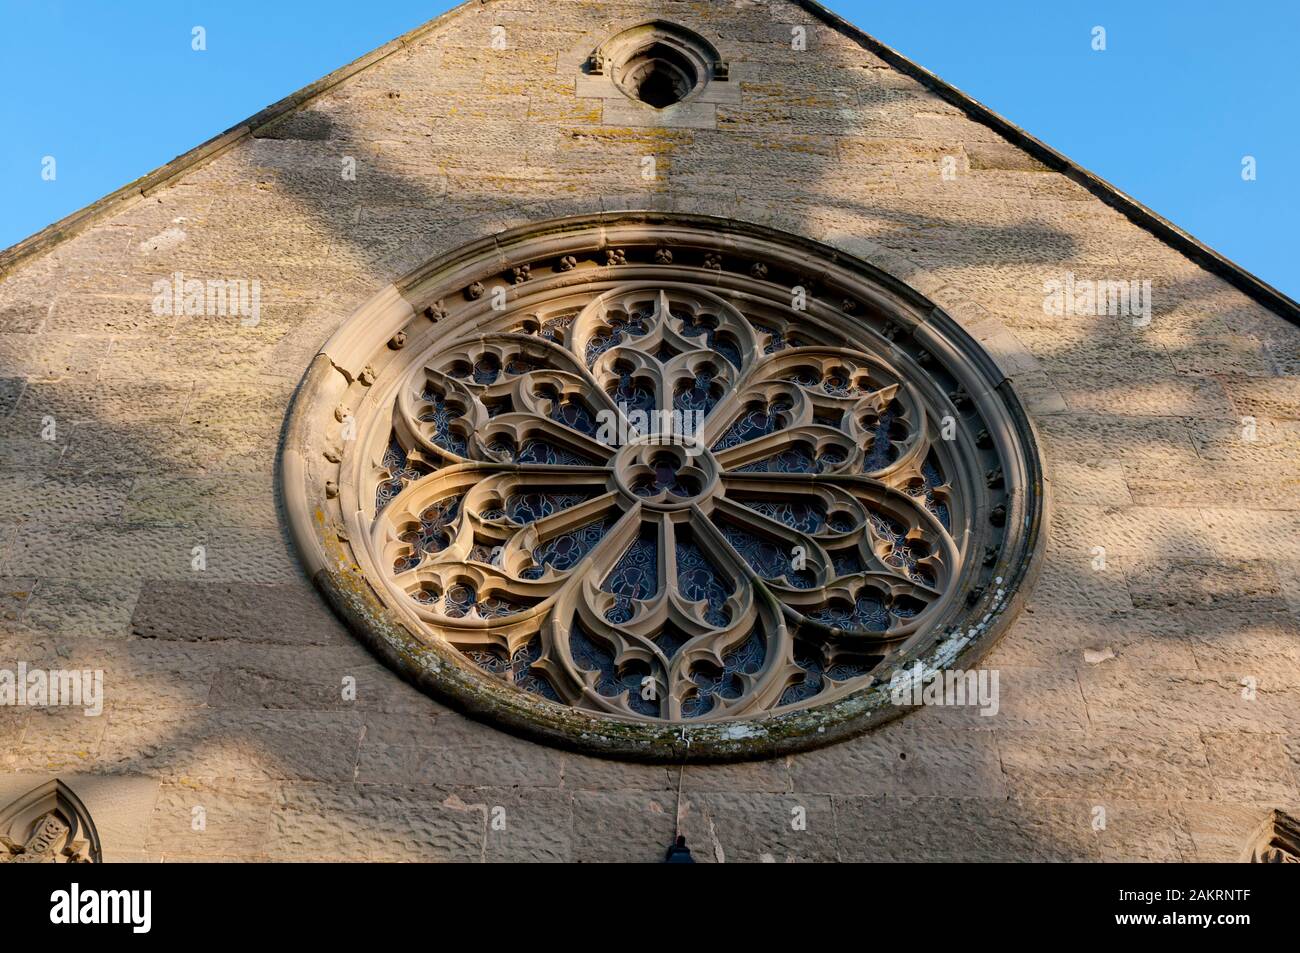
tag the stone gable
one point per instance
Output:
(1153, 671)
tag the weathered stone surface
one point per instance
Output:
(526, 825)
(1145, 833)
(1087, 583)
(1266, 484)
(1140, 531)
(23, 318)
(911, 829)
(1230, 533)
(1132, 764)
(72, 607)
(1250, 766)
(222, 445)
(462, 752)
(11, 388)
(215, 612)
(1000, 155)
(1155, 396)
(60, 740)
(1292, 746)
(14, 597)
(1159, 442)
(905, 759)
(1245, 586)
(13, 722)
(1277, 397)
(59, 498)
(1142, 639)
(373, 822)
(586, 773)
(41, 357)
(771, 776)
(1154, 673)
(1289, 575)
(152, 675)
(759, 828)
(1234, 443)
(212, 817)
(308, 678)
(112, 553)
(414, 729)
(1028, 698)
(1264, 645)
(1183, 700)
(1099, 483)
(622, 826)
(229, 500)
(253, 745)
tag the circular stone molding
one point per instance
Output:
(658, 63)
(663, 487)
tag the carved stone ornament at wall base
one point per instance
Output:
(1276, 841)
(48, 825)
(651, 508)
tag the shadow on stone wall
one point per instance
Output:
(228, 691)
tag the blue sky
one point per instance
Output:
(1184, 90)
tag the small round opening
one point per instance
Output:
(658, 76)
(659, 88)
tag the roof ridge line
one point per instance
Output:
(166, 174)
(1172, 235)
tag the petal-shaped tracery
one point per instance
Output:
(662, 485)
(655, 510)
(661, 500)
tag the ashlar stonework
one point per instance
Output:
(159, 346)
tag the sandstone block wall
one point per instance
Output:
(222, 684)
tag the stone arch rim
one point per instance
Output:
(691, 54)
(354, 597)
(56, 796)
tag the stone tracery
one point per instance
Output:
(655, 496)
(671, 482)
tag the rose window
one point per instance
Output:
(669, 488)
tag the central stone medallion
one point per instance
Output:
(666, 471)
